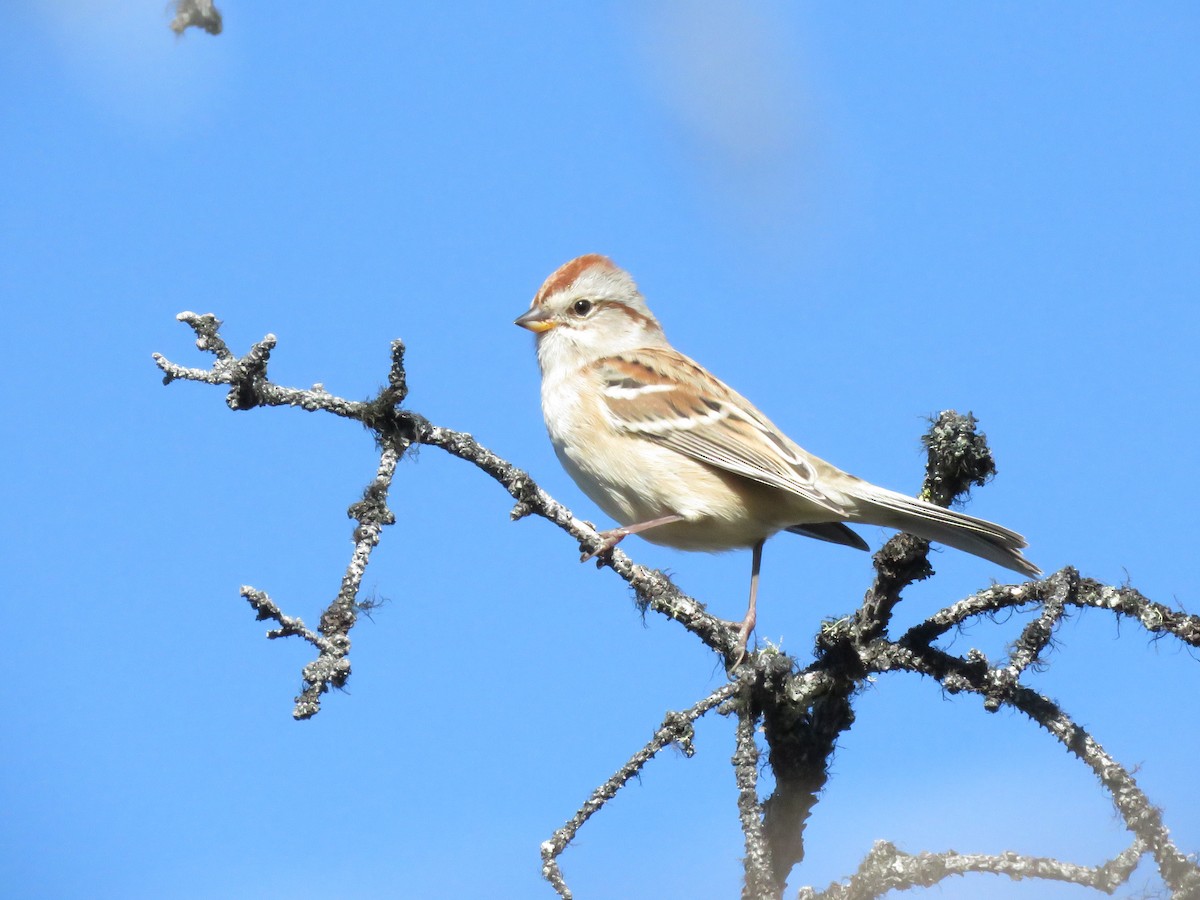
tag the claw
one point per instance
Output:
(751, 617)
(743, 636)
(608, 540)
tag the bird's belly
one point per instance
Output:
(635, 480)
(720, 510)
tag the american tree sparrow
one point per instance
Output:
(680, 458)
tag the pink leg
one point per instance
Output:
(610, 539)
(751, 611)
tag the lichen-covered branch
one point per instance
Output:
(1154, 617)
(1080, 593)
(654, 589)
(371, 513)
(249, 387)
(677, 728)
(760, 883)
(803, 710)
(289, 626)
(886, 869)
(397, 429)
(802, 736)
(958, 458)
(994, 684)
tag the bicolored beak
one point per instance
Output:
(536, 320)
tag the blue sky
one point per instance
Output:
(857, 216)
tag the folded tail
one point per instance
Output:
(879, 506)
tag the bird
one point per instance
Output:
(681, 459)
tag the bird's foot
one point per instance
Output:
(743, 638)
(608, 540)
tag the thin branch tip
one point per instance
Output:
(196, 14)
(803, 710)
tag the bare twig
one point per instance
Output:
(974, 675)
(986, 602)
(1125, 601)
(677, 728)
(1080, 593)
(1180, 873)
(653, 588)
(886, 869)
(802, 739)
(371, 513)
(1036, 636)
(958, 458)
(803, 712)
(250, 387)
(289, 626)
(760, 882)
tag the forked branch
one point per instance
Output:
(803, 710)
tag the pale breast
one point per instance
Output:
(634, 480)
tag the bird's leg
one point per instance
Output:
(610, 539)
(751, 613)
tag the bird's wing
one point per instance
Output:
(662, 396)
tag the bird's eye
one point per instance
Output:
(582, 307)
